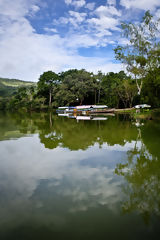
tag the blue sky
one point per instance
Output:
(42, 35)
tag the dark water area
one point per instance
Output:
(64, 178)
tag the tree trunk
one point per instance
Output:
(81, 101)
(95, 97)
(50, 119)
(139, 86)
(50, 98)
(99, 92)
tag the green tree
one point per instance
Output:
(111, 85)
(141, 171)
(139, 54)
(76, 85)
(126, 91)
(48, 82)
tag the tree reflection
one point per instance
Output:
(142, 174)
(72, 135)
(57, 131)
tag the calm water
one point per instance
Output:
(66, 179)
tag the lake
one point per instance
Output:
(67, 178)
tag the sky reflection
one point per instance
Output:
(62, 186)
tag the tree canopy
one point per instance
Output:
(141, 54)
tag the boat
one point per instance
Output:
(83, 118)
(142, 106)
(63, 114)
(90, 118)
(90, 107)
(61, 109)
(84, 109)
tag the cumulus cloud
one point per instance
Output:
(111, 2)
(78, 17)
(90, 6)
(53, 30)
(25, 54)
(68, 2)
(73, 18)
(79, 3)
(157, 14)
(35, 8)
(106, 20)
(24, 171)
(101, 33)
(104, 23)
(76, 3)
(107, 11)
(17, 8)
(141, 4)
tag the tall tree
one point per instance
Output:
(75, 87)
(139, 54)
(47, 82)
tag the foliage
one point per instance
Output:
(48, 82)
(9, 87)
(141, 171)
(142, 53)
(75, 87)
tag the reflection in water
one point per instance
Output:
(142, 173)
(57, 178)
(83, 117)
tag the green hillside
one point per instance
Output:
(9, 87)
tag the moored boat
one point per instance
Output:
(84, 109)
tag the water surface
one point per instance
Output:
(63, 179)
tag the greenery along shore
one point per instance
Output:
(140, 84)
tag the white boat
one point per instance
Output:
(83, 108)
(142, 106)
(99, 118)
(83, 118)
(62, 108)
(90, 118)
(91, 107)
(63, 114)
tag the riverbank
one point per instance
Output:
(147, 114)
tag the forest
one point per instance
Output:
(140, 83)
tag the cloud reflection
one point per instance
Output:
(28, 170)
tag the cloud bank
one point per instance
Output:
(55, 41)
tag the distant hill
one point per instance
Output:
(9, 87)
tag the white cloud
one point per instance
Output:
(123, 41)
(82, 40)
(141, 4)
(107, 11)
(111, 2)
(23, 171)
(79, 3)
(17, 8)
(68, 2)
(158, 13)
(76, 3)
(35, 8)
(53, 30)
(74, 18)
(107, 19)
(25, 54)
(90, 6)
(102, 33)
(62, 20)
(104, 23)
(78, 17)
